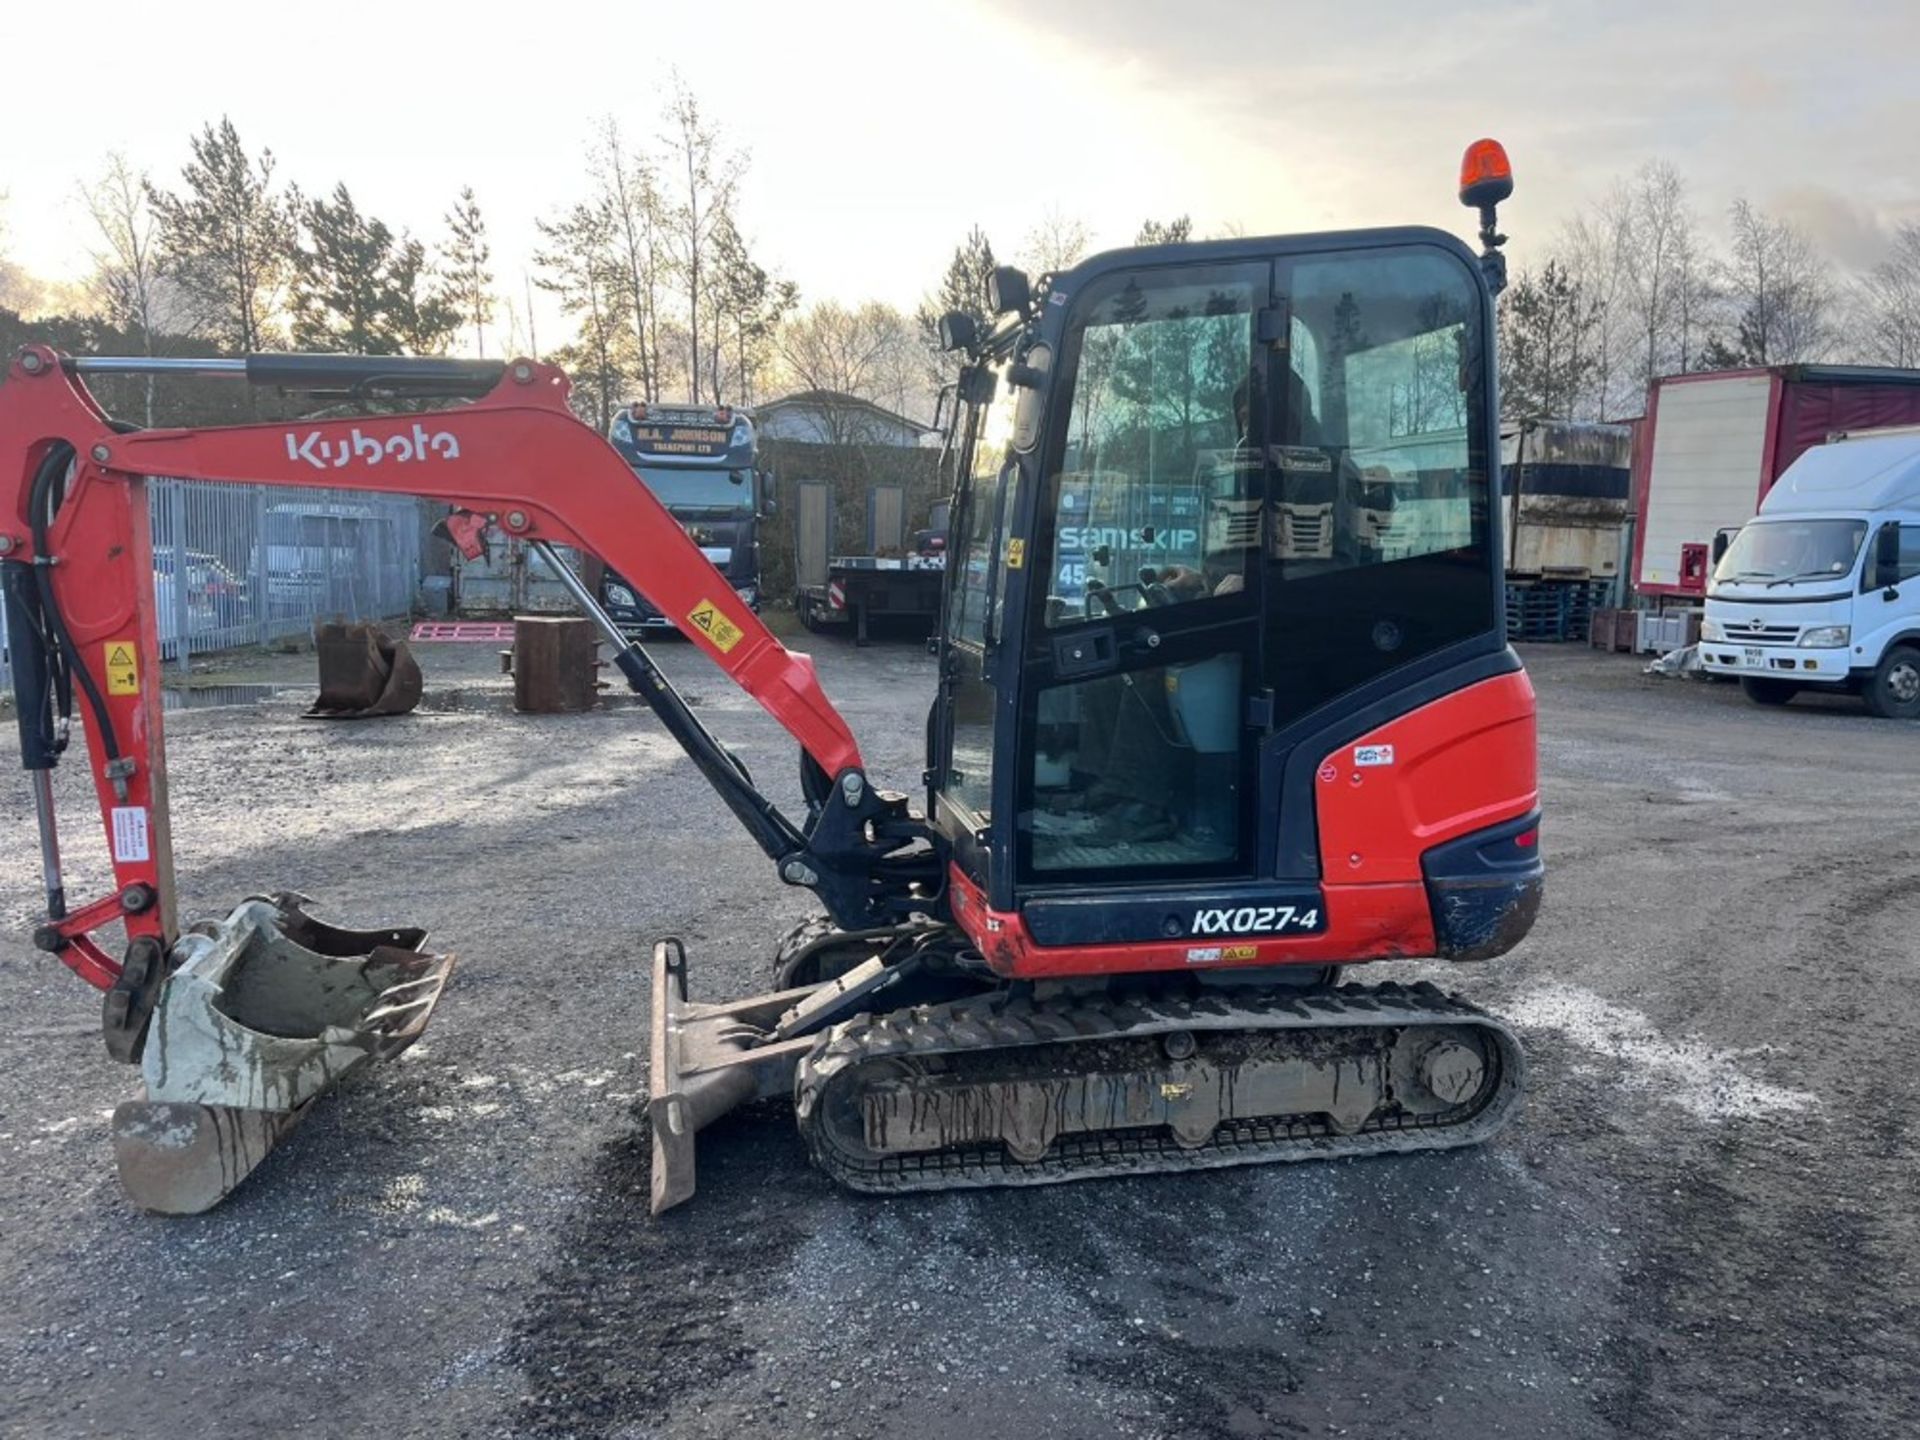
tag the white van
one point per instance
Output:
(1813, 592)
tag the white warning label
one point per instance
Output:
(130, 833)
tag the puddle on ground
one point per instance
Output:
(208, 697)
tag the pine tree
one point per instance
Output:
(1548, 358)
(230, 238)
(1176, 231)
(342, 291)
(964, 288)
(421, 313)
(751, 303)
(469, 283)
(578, 264)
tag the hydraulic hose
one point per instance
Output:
(43, 504)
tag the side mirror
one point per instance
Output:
(1721, 540)
(1030, 405)
(769, 504)
(940, 403)
(1883, 570)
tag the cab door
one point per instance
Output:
(1142, 656)
(962, 759)
(1262, 522)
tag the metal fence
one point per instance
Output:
(250, 564)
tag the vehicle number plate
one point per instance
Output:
(1755, 657)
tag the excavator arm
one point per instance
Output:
(78, 569)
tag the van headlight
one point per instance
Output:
(750, 594)
(1827, 637)
(621, 596)
(1710, 630)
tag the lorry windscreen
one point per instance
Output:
(1792, 549)
(694, 489)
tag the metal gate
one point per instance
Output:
(886, 519)
(812, 532)
(249, 564)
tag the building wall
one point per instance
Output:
(851, 472)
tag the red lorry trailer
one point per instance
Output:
(1714, 443)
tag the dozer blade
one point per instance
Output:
(708, 1059)
(265, 1012)
(363, 673)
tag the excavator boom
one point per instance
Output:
(76, 562)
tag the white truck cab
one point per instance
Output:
(1821, 589)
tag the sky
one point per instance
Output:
(877, 131)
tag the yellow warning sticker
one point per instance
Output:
(1016, 553)
(1238, 952)
(123, 668)
(724, 634)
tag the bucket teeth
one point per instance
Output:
(263, 1013)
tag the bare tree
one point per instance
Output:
(129, 281)
(1886, 303)
(869, 354)
(1055, 244)
(704, 179)
(629, 187)
(1780, 287)
(1594, 251)
(1658, 249)
(16, 289)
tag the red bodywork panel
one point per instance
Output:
(1459, 764)
(518, 456)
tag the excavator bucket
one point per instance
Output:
(364, 673)
(265, 1012)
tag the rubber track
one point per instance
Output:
(993, 1023)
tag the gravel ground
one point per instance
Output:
(1703, 1223)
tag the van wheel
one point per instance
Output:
(1768, 692)
(1893, 691)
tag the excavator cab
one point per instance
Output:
(1156, 703)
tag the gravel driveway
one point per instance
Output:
(1704, 1223)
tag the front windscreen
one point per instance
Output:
(1783, 550)
(682, 489)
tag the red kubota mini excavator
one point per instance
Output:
(1224, 704)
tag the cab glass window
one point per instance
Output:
(1376, 550)
(1155, 499)
(974, 584)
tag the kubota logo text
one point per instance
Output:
(322, 453)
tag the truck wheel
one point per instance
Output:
(1768, 692)
(1893, 691)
